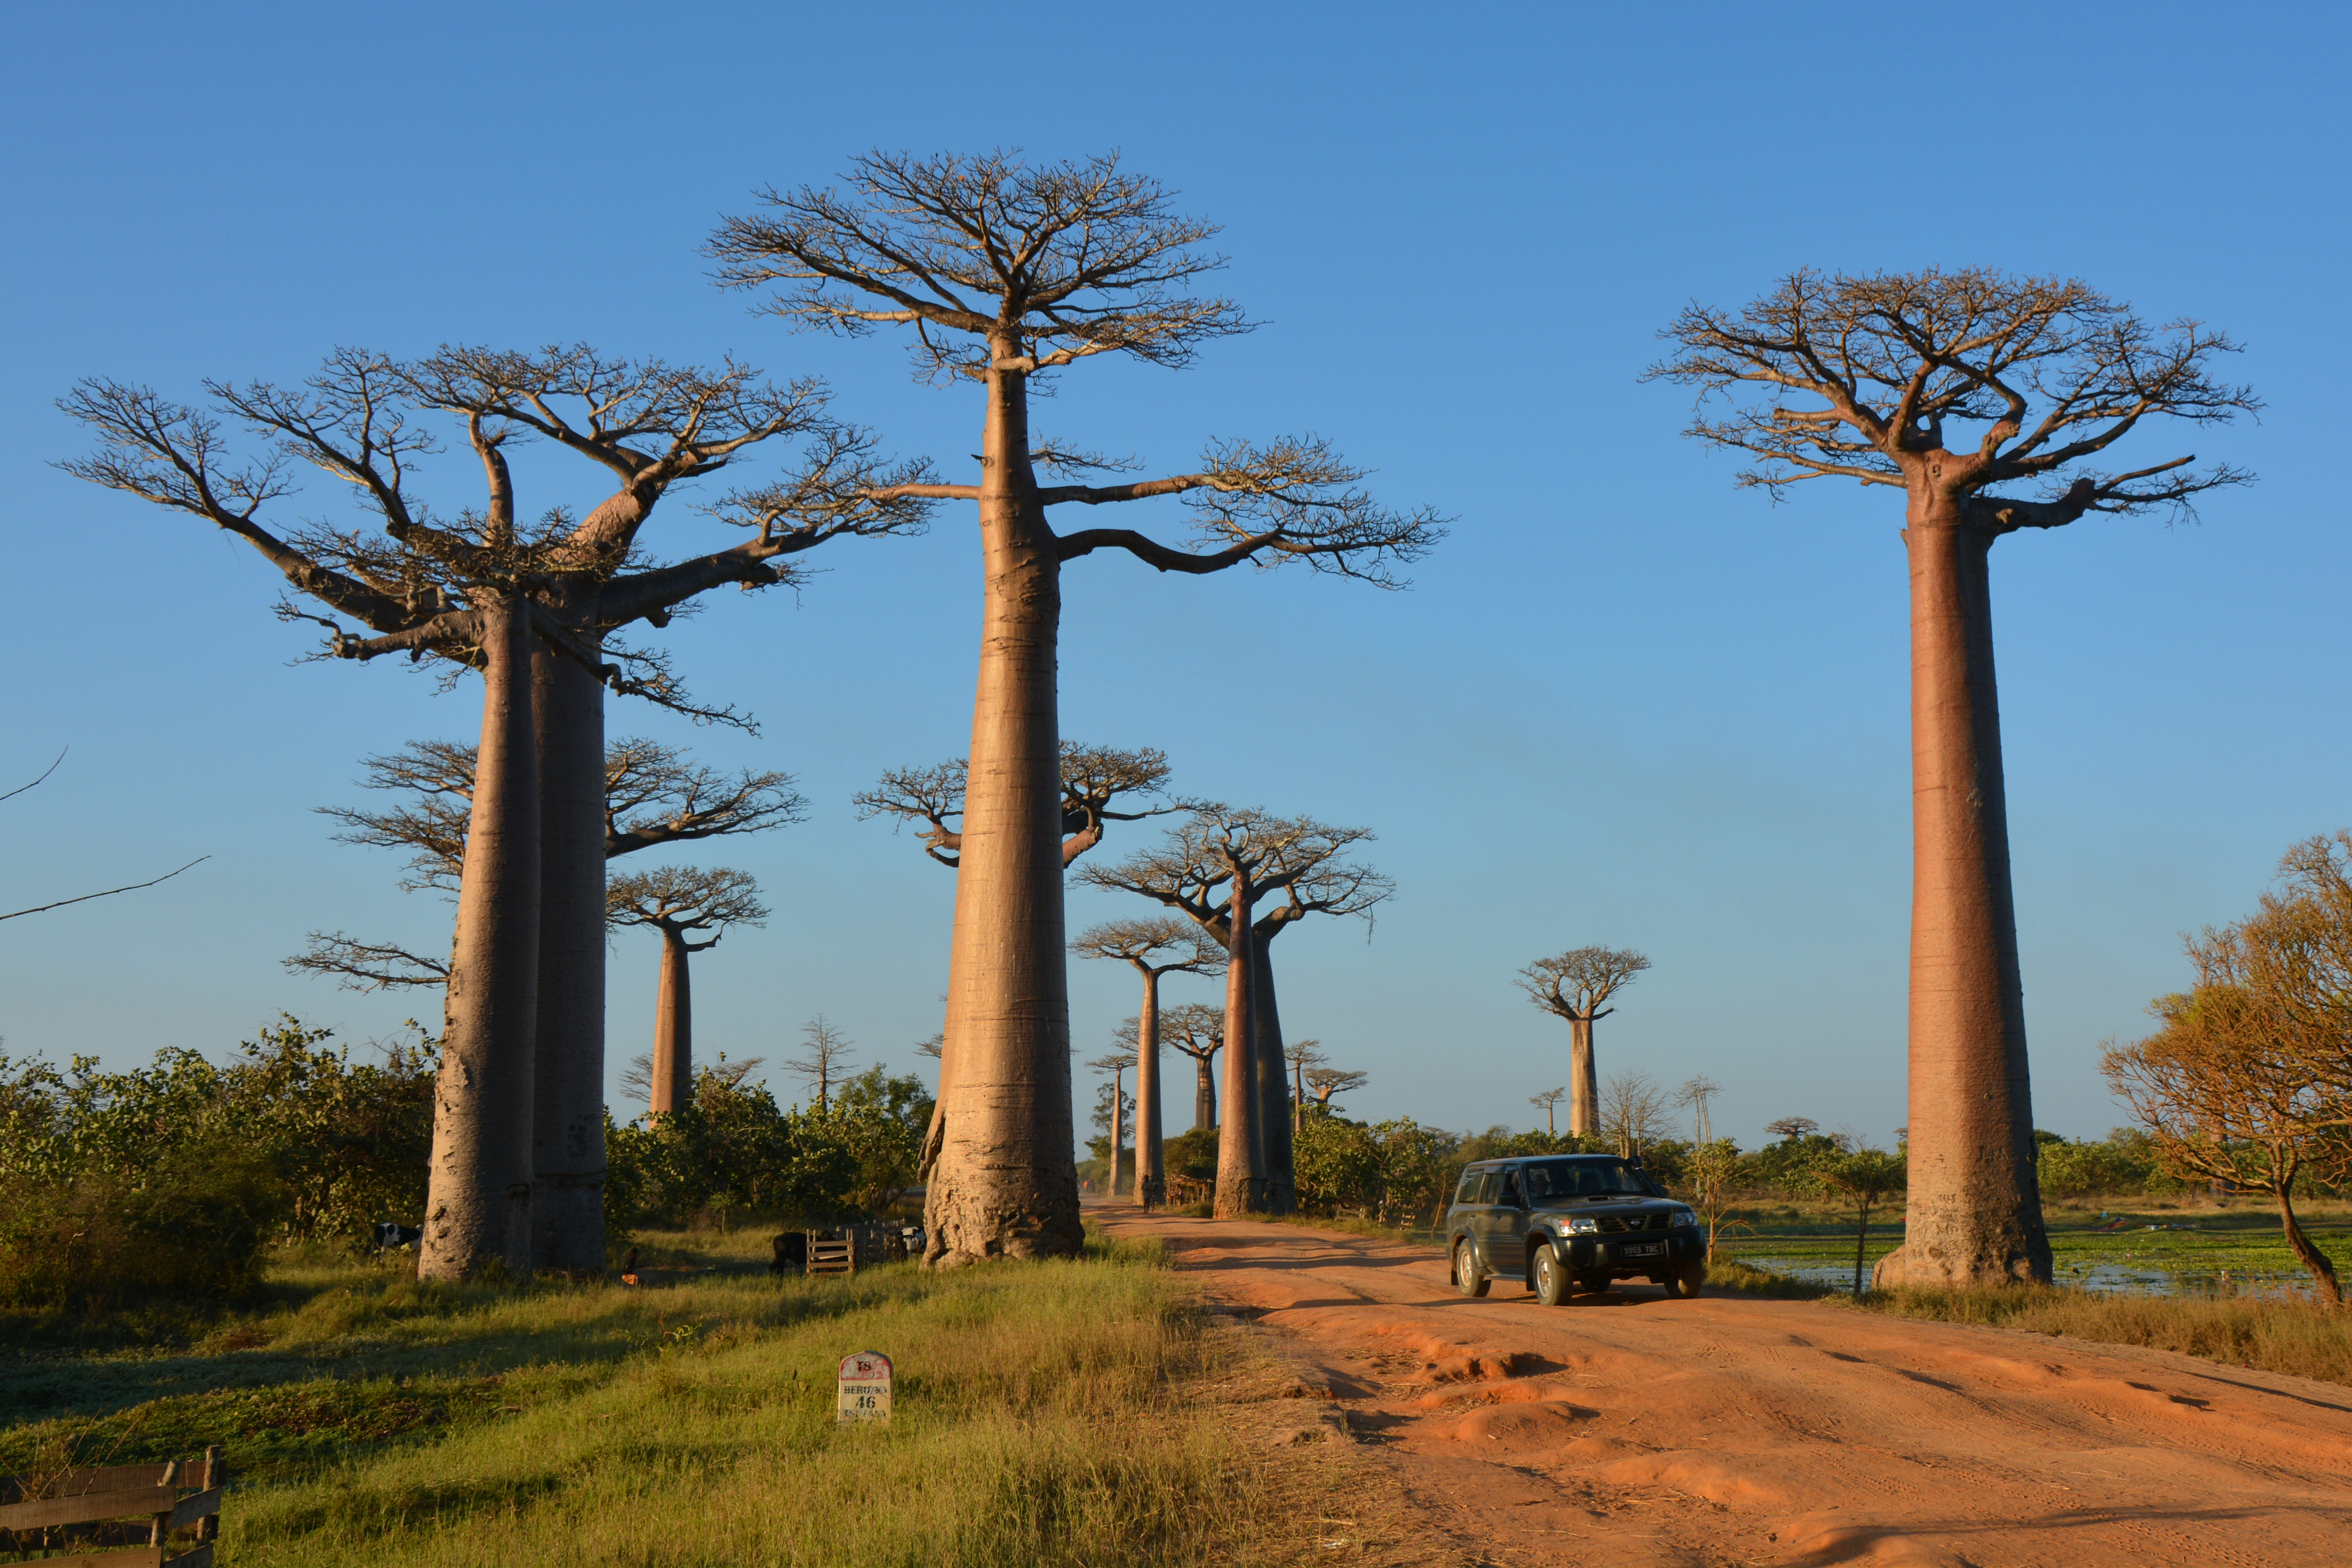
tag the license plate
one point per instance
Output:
(1643, 1249)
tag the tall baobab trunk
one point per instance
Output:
(1273, 1083)
(1117, 1140)
(1241, 1137)
(477, 1203)
(1002, 1182)
(1151, 1164)
(568, 1086)
(1975, 1203)
(1583, 1080)
(1205, 1092)
(673, 1075)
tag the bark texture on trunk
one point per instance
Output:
(1272, 1084)
(568, 1084)
(1583, 1080)
(1205, 1092)
(673, 1075)
(477, 1203)
(1151, 1166)
(1974, 1208)
(1002, 1182)
(1241, 1138)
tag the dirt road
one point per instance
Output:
(1631, 1430)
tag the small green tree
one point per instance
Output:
(1860, 1179)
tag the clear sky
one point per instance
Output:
(1624, 703)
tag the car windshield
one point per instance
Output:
(1565, 1180)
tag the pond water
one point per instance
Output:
(2118, 1278)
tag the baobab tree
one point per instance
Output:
(1154, 947)
(1116, 1063)
(1328, 1082)
(517, 1168)
(1198, 1030)
(1573, 986)
(1220, 855)
(1006, 272)
(1991, 402)
(1303, 1055)
(1092, 777)
(823, 1060)
(680, 903)
(1548, 1102)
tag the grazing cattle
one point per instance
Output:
(389, 1234)
(792, 1253)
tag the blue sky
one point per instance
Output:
(1624, 703)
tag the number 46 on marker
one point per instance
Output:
(864, 1389)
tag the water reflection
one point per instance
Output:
(2113, 1278)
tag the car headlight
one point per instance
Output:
(1682, 1217)
(1584, 1224)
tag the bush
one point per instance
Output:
(193, 1227)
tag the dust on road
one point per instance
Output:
(1632, 1430)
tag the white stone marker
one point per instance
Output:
(864, 1389)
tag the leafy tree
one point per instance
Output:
(1860, 1179)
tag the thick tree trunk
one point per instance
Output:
(673, 1072)
(1205, 1092)
(1150, 1165)
(1003, 1183)
(1117, 1140)
(1974, 1210)
(1241, 1137)
(1273, 1085)
(477, 1203)
(1583, 1080)
(567, 1201)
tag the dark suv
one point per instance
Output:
(1570, 1221)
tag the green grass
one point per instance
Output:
(1047, 1414)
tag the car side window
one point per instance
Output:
(1469, 1192)
(1487, 1181)
(1511, 1188)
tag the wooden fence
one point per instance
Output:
(98, 1517)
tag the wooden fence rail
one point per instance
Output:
(96, 1516)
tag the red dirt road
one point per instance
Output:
(1631, 1430)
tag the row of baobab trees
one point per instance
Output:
(1990, 401)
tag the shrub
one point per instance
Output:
(193, 1226)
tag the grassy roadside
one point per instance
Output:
(1048, 1413)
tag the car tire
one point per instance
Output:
(1468, 1278)
(1683, 1282)
(1551, 1277)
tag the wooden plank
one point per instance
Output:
(128, 1557)
(189, 1509)
(85, 1507)
(113, 1478)
(202, 1557)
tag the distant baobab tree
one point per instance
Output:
(823, 1060)
(1789, 1128)
(1116, 1063)
(1573, 986)
(680, 903)
(1324, 1082)
(1092, 777)
(516, 1172)
(1978, 395)
(1198, 1030)
(1004, 271)
(1216, 856)
(1303, 1055)
(1546, 1102)
(1154, 948)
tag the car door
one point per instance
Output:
(1480, 1216)
(1506, 1230)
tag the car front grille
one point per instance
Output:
(1612, 1224)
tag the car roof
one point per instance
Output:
(1510, 1161)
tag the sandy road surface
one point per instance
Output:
(1631, 1430)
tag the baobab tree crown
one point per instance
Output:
(2048, 373)
(1575, 984)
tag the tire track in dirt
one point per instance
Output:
(1632, 1430)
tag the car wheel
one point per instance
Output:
(1468, 1278)
(1551, 1280)
(1683, 1282)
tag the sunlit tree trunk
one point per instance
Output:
(1975, 1203)
(1205, 1092)
(673, 1075)
(1003, 1183)
(477, 1205)
(1272, 1084)
(1151, 1166)
(1583, 1080)
(2315, 1262)
(567, 1087)
(1241, 1138)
